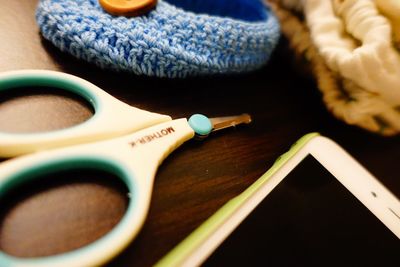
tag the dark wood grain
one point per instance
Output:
(197, 178)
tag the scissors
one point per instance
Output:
(119, 139)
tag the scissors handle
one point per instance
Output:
(133, 158)
(111, 117)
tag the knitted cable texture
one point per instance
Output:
(226, 36)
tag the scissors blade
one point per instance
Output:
(203, 125)
(220, 123)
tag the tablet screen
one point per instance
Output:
(309, 219)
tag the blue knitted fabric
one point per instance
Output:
(177, 39)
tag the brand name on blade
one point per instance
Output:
(151, 137)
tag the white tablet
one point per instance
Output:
(315, 207)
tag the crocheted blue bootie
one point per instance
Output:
(176, 39)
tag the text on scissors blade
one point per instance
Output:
(150, 137)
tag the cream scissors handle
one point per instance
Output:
(133, 158)
(111, 117)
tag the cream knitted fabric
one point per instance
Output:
(342, 96)
(391, 9)
(355, 40)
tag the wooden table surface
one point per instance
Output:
(195, 180)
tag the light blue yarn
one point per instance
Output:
(167, 42)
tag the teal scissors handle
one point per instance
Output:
(111, 117)
(133, 158)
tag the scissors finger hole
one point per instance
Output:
(63, 211)
(37, 109)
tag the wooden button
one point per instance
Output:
(127, 8)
